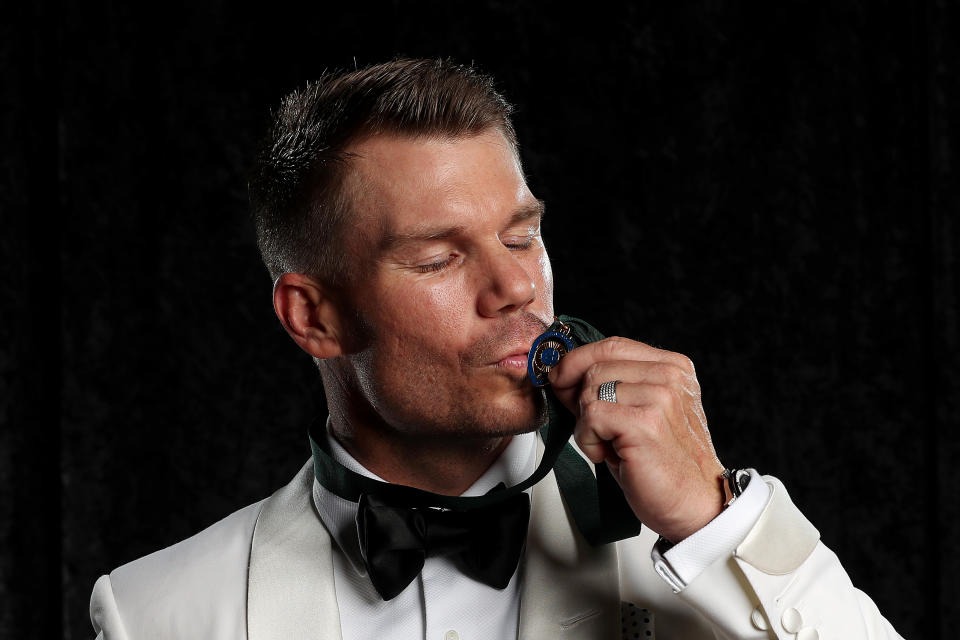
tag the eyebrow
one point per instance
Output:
(391, 240)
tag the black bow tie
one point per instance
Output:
(485, 543)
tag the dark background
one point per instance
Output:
(766, 187)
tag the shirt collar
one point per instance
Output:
(515, 464)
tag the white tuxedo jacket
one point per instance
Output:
(266, 573)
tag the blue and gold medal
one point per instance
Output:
(546, 352)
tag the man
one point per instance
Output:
(405, 247)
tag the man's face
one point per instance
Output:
(451, 285)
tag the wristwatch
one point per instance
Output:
(736, 481)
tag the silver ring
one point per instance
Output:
(608, 391)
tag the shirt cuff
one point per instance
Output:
(718, 538)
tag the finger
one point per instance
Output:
(606, 429)
(571, 369)
(600, 372)
(663, 373)
(636, 394)
(684, 416)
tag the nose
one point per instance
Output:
(507, 285)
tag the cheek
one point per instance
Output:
(442, 298)
(545, 286)
(546, 271)
(425, 312)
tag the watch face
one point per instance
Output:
(741, 478)
(545, 353)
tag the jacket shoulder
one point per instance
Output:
(196, 588)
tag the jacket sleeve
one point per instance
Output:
(782, 582)
(104, 613)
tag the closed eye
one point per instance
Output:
(519, 243)
(435, 266)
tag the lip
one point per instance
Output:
(515, 359)
(515, 348)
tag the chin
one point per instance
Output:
(479, 411)
(521, 412)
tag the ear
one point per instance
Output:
(308, 311)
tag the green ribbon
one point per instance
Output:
(596, 502)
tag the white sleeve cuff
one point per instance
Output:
(718, 538)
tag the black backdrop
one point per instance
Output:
(766, 187)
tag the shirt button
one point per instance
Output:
(808, 634)
(791, 620)
(759, 622)
(451, 635)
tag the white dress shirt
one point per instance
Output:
(444, 604)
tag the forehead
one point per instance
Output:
(400, 182)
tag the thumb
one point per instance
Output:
(568, 396)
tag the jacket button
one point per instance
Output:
(759, 622)
(451, 635)
(791, 620)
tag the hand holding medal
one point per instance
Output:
(638, 409)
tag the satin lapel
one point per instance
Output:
(570, 589)
(290, 584)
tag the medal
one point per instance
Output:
(546, 352)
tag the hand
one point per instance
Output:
(654, 438)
